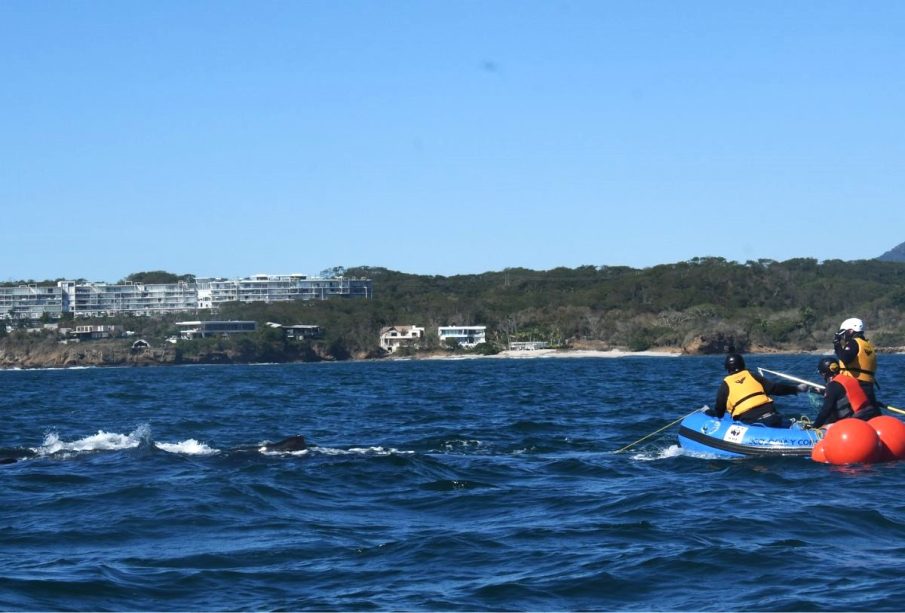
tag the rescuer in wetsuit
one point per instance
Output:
(745, 395)
(857, 355)
(843, 397)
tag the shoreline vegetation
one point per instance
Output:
(110, 353)
(703, 306)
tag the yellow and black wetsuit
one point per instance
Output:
(859, 359)
(747, 397)
(746, 394)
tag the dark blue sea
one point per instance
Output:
(479, 484)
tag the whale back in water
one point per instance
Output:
(12, 455)
(295, 442)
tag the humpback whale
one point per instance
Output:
(295, 442)
(11, 456)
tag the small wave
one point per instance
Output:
(460, 445)
(187, 447)
(673, 451)
(382, 451)
(102, 441)
(532, 426)
(300, 452)
(449, 485)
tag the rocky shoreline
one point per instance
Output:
(98, 353)
(111, 353)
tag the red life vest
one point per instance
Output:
(856, 396)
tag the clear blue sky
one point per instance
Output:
(445, 137)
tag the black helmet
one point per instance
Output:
(734, 363)
(828, 367)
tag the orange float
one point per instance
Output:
(818, 454)
(891, 433)
(851, 441)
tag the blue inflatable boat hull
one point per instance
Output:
(726, 438)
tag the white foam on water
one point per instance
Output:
(102, 441)
(673, 451)
(362, 451)
(524, 450)
(187, 447)
(461, 444)
(298, 453)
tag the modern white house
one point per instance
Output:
(194, 329)
(394, 337)
(95, 332)
(298, 332)
(466, 336)
(528, 345)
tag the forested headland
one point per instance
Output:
(704, 305)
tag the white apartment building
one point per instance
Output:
(394, 337)
(281, 288)
(466, 336)
(31, 302)
(102, 299)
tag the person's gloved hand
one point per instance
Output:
(805, 387)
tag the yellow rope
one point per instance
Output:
(655, 432)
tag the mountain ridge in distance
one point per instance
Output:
(896, 254)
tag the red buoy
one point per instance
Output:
(891, 432)
(851, 441)
(818, 454)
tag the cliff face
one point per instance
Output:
(44, 353)
(97, 353)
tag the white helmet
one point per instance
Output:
(852, 323)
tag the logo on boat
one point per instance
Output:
(735, 434)
(780, 442)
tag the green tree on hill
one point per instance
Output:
(157, 276)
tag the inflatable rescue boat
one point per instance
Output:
(727, 438)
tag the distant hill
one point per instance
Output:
(703, 305)
(896, 254)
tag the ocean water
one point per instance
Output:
(486, 484)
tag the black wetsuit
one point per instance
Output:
(836, 406)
